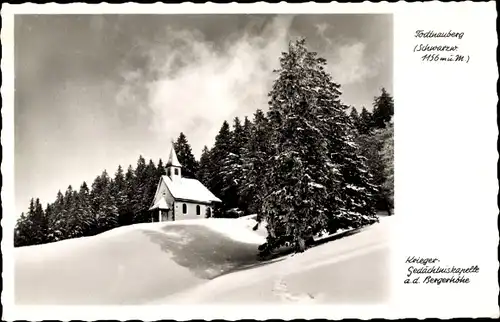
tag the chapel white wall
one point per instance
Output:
(191, 210)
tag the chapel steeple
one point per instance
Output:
(173, 165)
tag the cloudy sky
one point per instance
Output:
(96, 91)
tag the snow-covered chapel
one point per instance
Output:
(179, 198)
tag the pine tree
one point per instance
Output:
(139, 185)
(237, 137)
(107, 215)
(301, 174)
(383, 109)
(356, 196)
(86, 218)
(369, 146)
(205, 165)
(186, 157)
(105, 207)
(103, 203)
(49, 215)
(152, 179)
(218, 155)
(118, 191)
(57, 228)
(130, 181)
(40, 225)
(371, 143)
(365, 122)
(74, 221)
(231, 171)
(247, 132)
(255, 157)
(387, 155)
(69, 216)
(32, 227)
(98, 191)
(355, 119)
(22, 231)
(315, 181)
(161, 171)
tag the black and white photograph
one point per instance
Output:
(203, 158)
(265, 161)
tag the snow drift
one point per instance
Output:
(133, 264)
(192, 261)
(350, 270)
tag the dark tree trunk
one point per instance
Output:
(301, 245)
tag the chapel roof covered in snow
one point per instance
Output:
(189, 189)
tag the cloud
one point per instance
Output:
(348, 59)
(192, 85)
(321, 29)
(351, 64)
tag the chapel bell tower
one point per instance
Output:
(173, 165)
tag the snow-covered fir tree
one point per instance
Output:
(151, 184)
(139, 186)
(86, 219)
(161, 171)
(218, 155)
(68, 211)
(119, 193)
(355, 119)
(22, 231)
(128, 216)
(314, 181)
(56, 229)
(39, 224)
(365, 124)
(204, 167)
(356, 195)
(25, 231)
(383, 109)
(247, 132)
(255, 155)
(387, 154)
(369, 146)
(186, 157)
(231, 171)
(70, 214)
(103, 203)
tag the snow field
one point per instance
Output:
(191, 261)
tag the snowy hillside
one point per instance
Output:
(350, 270)
(197, 261)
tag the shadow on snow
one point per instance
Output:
(204, 252)
(209, 254)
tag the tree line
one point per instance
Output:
(305, 167)
(109, 202)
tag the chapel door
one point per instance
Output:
(164, 215)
